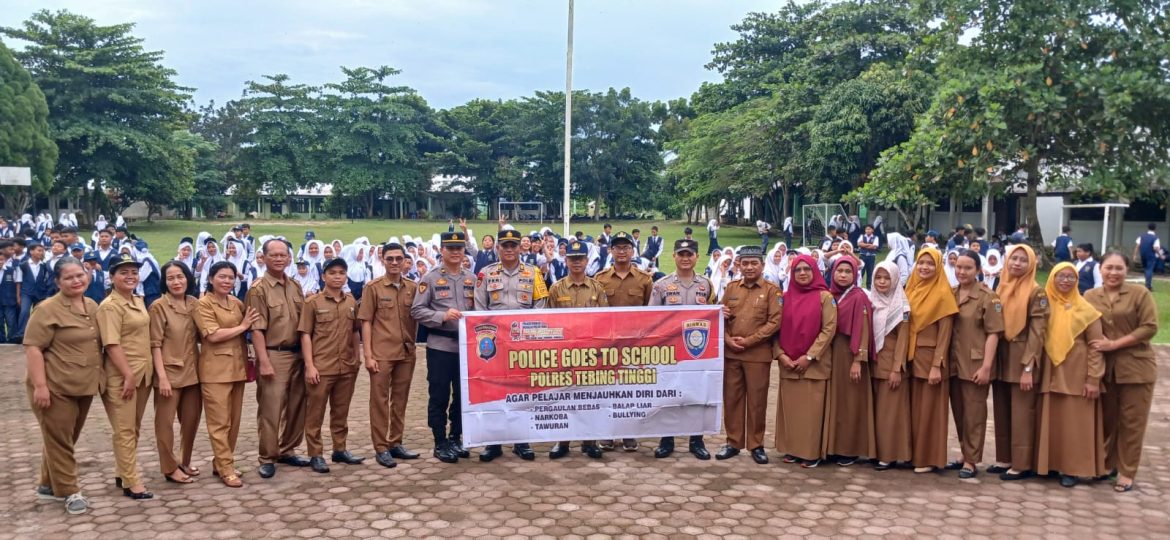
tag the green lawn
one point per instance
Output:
(164, 236)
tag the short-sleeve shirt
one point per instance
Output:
(672, 290)
(71, 344)
(173, 330)
(329, 322)
(439, 291)
(386, 305)
(521, 287)
(125, 322)
(632, 290)
(279, 303)
(221, 362)
(566, 293)
(980, 315)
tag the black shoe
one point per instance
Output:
(118, 481)
(846, 461)
(385, 459)
(443, 451)
(760, 456)
(996, 469)
(317, 463)
(137, 496)
(698, 449)
(1067, 481)
(592, 450)
(293, 460)
(727, 452)
(492, 451)
(559, 450)
(457, 447)
(401, 452)
(524, 451)
(966, 474)
(267, 470)
(343, 456)
(954, 465)
(1010, 476)
(630, 445)
(883, 466)
(665, 448)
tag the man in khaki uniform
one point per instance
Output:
(576, 290)
(683, 287)
(751, 311)
(388, 333)
(510, 284)
(280, 389)
(625, 285)
(329, 340)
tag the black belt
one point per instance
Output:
(285, 348)
(442, 333)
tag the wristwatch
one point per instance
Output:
(1027, 369)
(811, 358)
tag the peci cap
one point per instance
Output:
(508, 235)
(750, 251)
(682, 244)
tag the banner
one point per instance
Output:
(587, 374)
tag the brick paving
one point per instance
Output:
(623, 495)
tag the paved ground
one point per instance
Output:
(623, 495)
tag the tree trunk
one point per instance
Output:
(784, 202)
(1031, 217)
(370, 205)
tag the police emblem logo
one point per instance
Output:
(441, 282)
(695, 333)
(422, 287)
(485, 341)
(1043, 302)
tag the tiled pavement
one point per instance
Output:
(622, 495)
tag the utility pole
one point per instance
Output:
(565, 210)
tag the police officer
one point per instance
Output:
(510, 284)
(576, 290)
(444, 294)
(683, 287)
(625, 285)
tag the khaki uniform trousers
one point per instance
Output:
(187, 404)
(336, 391)
(389, 390)
(223, 404)
(969, 406)
(61, 425)
(1125, 412)
(745, 402)
(1015, 413)
(125, 424)
(280, 410)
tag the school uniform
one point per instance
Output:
(125, 322)
(221, 374)
(9, 303)
(97, 286)
(152, 285)
(173, 331)
(35, 283)
(392, 343)
(980, 315)
(329, 323)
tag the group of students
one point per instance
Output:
(862, 372)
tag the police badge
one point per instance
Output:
(485, 341)
(695, 332)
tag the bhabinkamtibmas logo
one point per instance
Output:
(485, 341)
(695, 332)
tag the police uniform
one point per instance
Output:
(500, 288)
(673, 290)
(391, 346)
(567, 293)
(438, 291)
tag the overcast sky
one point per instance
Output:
(451, 51)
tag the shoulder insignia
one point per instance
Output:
(1044, 302)
(468, 282)
(998, 307)
(422, 287)
(905, 316)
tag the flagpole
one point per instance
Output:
(565, 209)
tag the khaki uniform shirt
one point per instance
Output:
(173, 330)
(566, 293)
(822, 367)
(439, 291)
(71, 345)
(632, 290)
(519, 288)
(892, 357)
(1027, 347)
(672, 290)
(126, 323)
(755, 316)
(386, 305)
(1133, 313)
(1083, 365)
(979, 315)
(330, 324)
(221, 362)
(279, 306)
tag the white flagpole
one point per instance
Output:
(565, 209)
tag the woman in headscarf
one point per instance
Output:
(315, 256)
(356, 272)
(1014, 393)
(992, 267)
(1130, 320)
(902, 254)
(973, 345)
(776, 265)
(949, 267)
(118, 222)
(100, 223)
(305, 278)
(850, 423)
(891, 340)
(723, 274)
(1070, 438)
(713, 234)
(335, 248)
(150, 276)
(237, 255)
(713, 262)
(932, 310)
(200, 254)
(211, 255)
(808, 323)
(186, 253)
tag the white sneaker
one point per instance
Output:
(45, 493)
(76, 504)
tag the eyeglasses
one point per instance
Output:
(1063, 277)
(802, 270)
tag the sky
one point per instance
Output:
(451, 51)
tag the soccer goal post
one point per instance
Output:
(522, 211)
(816, 219)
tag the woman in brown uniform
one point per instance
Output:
(851, 429)
(124, 324)
(1129, 320)
(173, 339)
(932, 310)
(807, 325)
(222, 321)
(891, 398)
(976, 336)
(64, 358)
(1014, 393)
(1070, 435)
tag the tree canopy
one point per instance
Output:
(24, 129)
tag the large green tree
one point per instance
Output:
(113, 106)
(221, 135)
(283, 151)
(24, 131)
(480, 149)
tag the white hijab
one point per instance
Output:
(356, 270)
(776, 272)
(100, 223)
(950, 268)
(990, 270)
(889, 309)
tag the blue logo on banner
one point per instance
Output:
(485, 338)
(695, 333)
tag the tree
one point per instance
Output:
(164, 180)
(620, 151)
(24, 131)
(221, 133)
(479, 149)
(112, 104)
(283, 151)
(209, 180)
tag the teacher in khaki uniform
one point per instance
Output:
(280, 390)
(625, 285)
(64, 359)
(682, 288)
(174, 340)
(510, 284)
(388, 333)
(124, 324)
(751, 309)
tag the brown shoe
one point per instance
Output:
(232, 481)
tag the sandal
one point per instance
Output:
(189, 470)
(171, 478)
(232, 481)
(1124, 488)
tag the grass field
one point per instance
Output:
(163, 237)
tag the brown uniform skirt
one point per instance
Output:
(850, 412)
(1071, 437)
(800, 417)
